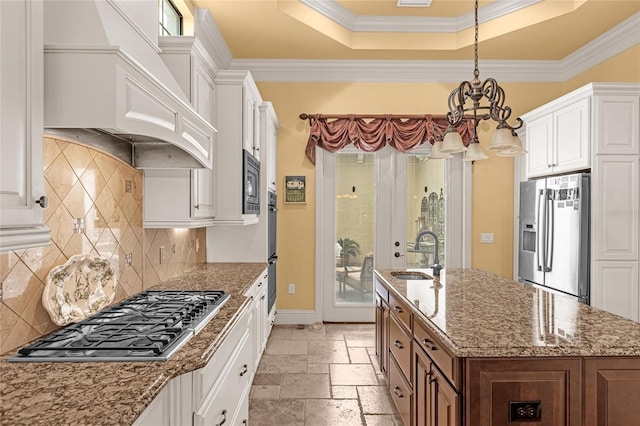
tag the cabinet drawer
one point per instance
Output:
(225, 398)
(400, 392)
(206, 377)
(381, 290)
(400, 310)
(446, 362)
(400, 347)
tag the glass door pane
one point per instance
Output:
(355, 225)
(425, 212)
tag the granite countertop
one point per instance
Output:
(114, 393)
(480, 314)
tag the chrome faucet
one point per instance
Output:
(436, 267)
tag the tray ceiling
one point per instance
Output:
(381, 30)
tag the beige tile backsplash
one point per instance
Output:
(82, 182)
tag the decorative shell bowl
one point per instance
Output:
(79, 288)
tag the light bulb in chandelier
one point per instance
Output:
(452, 142)
(437, 154)
(474, 153)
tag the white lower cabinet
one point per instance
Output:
(616, 288)
(218, 393)
(223, 403)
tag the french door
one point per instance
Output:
(370, 211)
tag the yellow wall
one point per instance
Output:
(492, 179)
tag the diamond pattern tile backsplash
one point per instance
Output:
(85, 183)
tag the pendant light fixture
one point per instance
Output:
(504, 141)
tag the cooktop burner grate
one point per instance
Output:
(151, 325)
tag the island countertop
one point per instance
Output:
(480, 314)
(114, 393)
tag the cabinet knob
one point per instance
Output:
(262, 298)
(397, 391)
(398, 344)
(43, 202)
(197, 207)
(398, 309)
(244, 370)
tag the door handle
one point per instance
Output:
(551, 223)
(540, 231)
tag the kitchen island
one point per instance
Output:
(475, 348)
(110, 393)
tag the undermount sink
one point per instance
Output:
(410, 275)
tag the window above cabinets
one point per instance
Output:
(170, 19)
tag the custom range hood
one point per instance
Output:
(106, 85)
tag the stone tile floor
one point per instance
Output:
(324, 374)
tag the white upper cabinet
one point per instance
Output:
(251, 119)
(21, 126)
(269, 139)
(183, 197)
(238, 123)
(616, 124)
(558, 138)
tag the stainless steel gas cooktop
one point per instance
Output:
(150, 326)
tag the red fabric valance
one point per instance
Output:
(371, 133)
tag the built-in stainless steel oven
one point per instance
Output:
(251, 184)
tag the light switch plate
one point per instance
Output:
(486, 238)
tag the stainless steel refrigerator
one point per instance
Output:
(554, 234)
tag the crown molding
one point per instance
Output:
(397, 71)
(206, 29)
(608, 45)
(410, 24)
(615, 41)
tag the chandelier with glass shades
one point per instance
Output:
(505, 141)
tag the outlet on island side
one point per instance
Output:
(292, 289)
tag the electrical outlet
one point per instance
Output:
(525, 411)
(197, 245)
(173, 248)
(292, 289)
(486, 238)
(161, 255)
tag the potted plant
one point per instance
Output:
(349, 248)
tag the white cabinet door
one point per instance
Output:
(251, 120)
(269, 138)
(539, 144)
(571, 141)
(615, 205)
(614, 288)
(172, 199)
(202, 193)
(559, 142)
(21, 126)
(616, 126)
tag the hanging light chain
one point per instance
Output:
(476, 73)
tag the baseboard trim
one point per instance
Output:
(295, 316)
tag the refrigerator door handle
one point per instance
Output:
(551, 223)
(540, 231)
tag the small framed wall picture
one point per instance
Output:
(295, 189)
